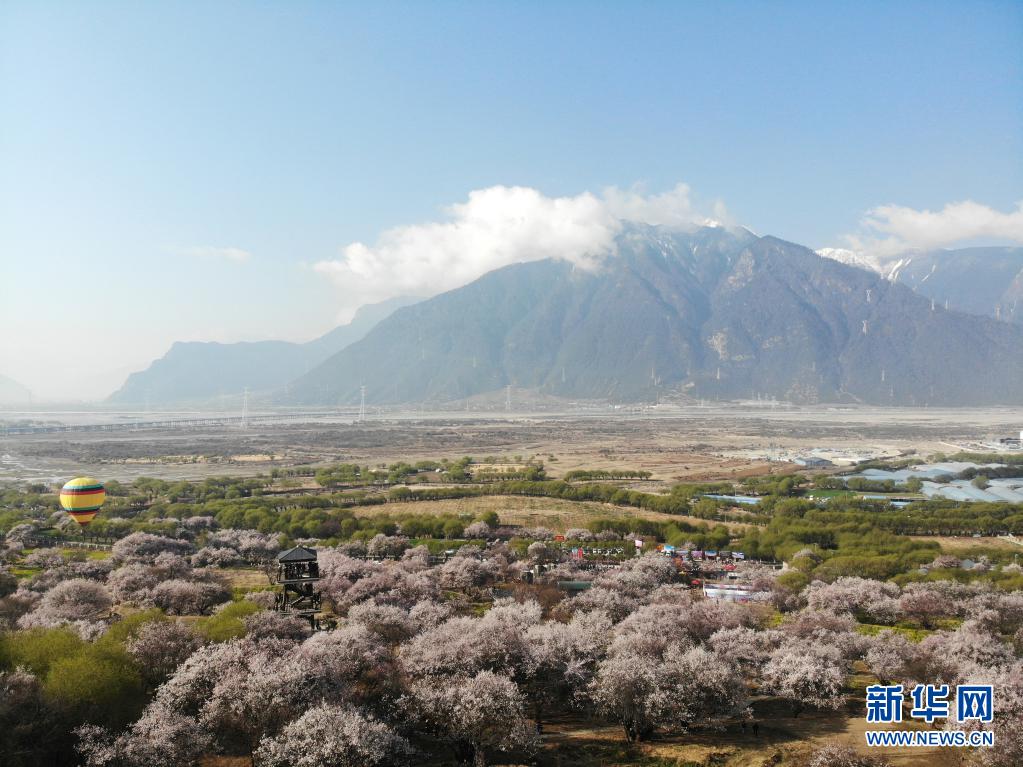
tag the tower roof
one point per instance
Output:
(297, 554)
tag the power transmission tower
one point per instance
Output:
(507, 397)
(245, 408)
(362, 404)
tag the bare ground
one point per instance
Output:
(722, 441)
(782, 740)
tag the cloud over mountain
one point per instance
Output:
(495, 227)
(890, 230)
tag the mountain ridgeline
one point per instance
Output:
(711, 314)
(199, 371)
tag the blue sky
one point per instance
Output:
(138, 141)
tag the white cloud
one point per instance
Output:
(889, 230)
(495, 227)
(208, 251)
(672, 208)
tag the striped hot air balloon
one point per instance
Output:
(82, 498)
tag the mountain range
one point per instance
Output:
(715, 313)
(985, 280)
(199, 371)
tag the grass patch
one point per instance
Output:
(911, 633)
(98, 554)
(227, 624)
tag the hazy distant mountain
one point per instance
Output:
(713, 313)
(196, 371)
(975, 280)
(13, 393)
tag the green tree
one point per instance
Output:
(97, 687)
(229, 623)
(38, 649)
(453, 528)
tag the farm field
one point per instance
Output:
(963, 545)
(554, 513)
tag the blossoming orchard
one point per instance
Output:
(198, 634)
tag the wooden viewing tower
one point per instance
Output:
(298, 572)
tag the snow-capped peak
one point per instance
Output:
(852, 258)
(888, 268)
